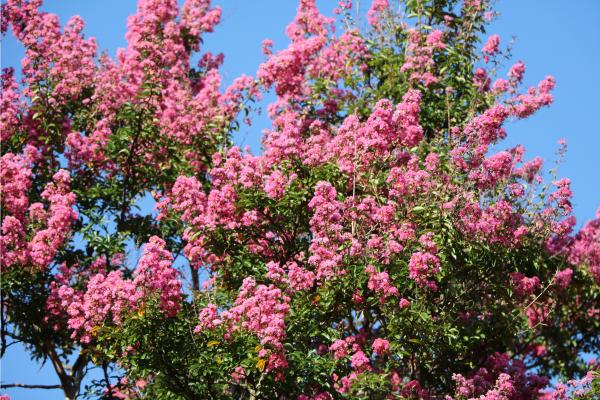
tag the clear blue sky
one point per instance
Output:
(552, 37)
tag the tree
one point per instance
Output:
(379, 247)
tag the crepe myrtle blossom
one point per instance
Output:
(383, 243)
(374, 14)
(491, 47)
(381, 346)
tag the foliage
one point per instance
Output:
(380, 246)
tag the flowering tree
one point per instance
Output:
(380, 246)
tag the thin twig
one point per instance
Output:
(25, 386)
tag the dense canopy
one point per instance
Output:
(382, 245)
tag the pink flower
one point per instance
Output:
(276, 184)
(523, 285)
(379, 282)
(432, 161)
(378, 7)
(419, 60)
(563, 195)
(300, 278)
(404, 303)
(491, 46)
(500, 86)
(434, 39)
(563, 278)
(339, 348)
(267, 45)
(156, 274)
(106, 296)
(536, 314)
(381, 346)
(516, 72)
(360, 362)
(423, 265)
(208, 318)
(239, 373)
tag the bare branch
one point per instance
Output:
(25, 386)
(79, 366)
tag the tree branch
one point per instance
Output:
(25, 386)
(3, 345)
(107, 379)
(56, 363)
(79, 365)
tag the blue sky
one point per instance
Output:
(551, 37)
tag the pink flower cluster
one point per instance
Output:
(359, 361)
(276, 184)
(379, 282)
(574, 388)
(155, 274)
(65, 59)
(494, 169)
(491, 47)
(523, 285)
(516, 72)
(10, 104)
(359, 146)
(16, 182)
(259, 309)
(109, 298)
(425, 264)
(500, 379)
(419, 62)
(384, 198)
(46, 242)
(295, 278)
(562, 196)
(527, 104)
(378, 8)
(487, 128)
(381, 346)
(563, 279)
(585, 247)
(498, 223)
(63, 292)
(200, 210)
(31, 233)
(374, 140)
(327, 229)
(313, 54)
(158, 53)
(197, 17)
